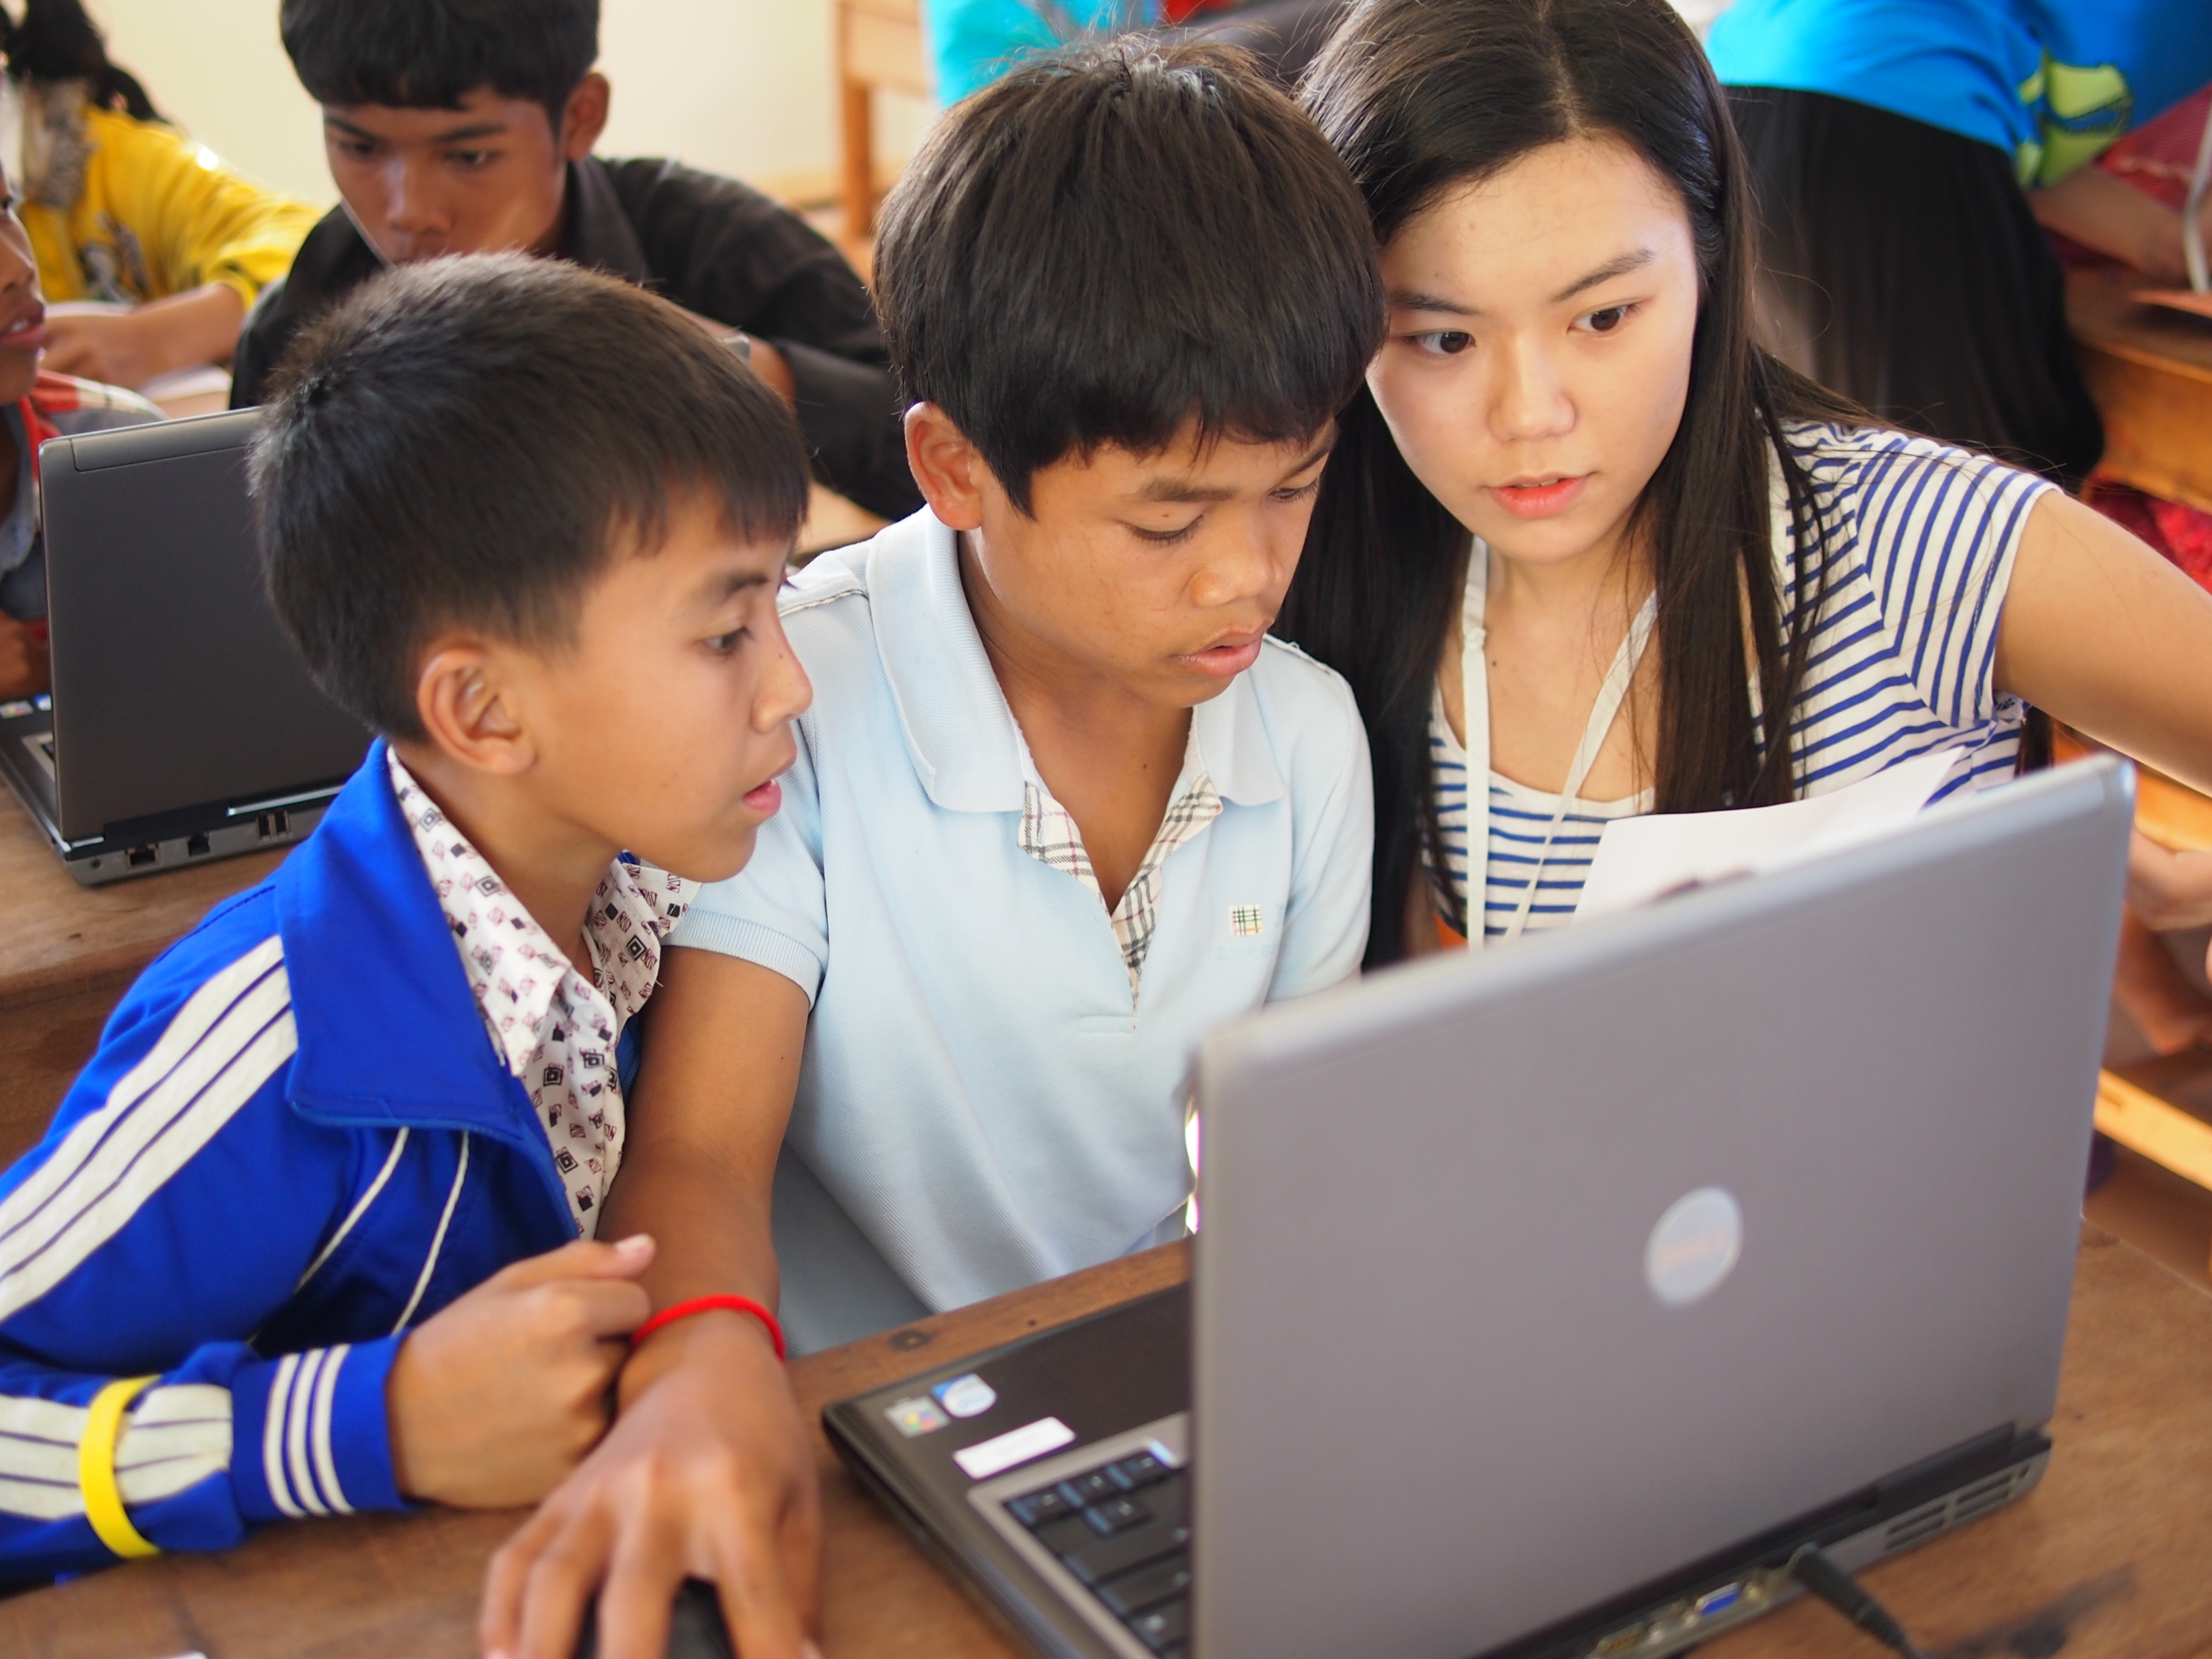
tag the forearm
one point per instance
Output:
(2113, 217)
(2104, 635)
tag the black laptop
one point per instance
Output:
(182, 726)
(1550, 1299)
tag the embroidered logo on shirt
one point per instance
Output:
(546, 1020)
(1246, 921)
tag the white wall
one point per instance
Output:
(739, 86)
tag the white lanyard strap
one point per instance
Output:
(1474, 689)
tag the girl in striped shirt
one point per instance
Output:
(1584, 550)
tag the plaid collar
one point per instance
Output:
(1049, 834)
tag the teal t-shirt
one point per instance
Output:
(973, 42)
(2051, 82)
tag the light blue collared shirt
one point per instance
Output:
(980, 1089)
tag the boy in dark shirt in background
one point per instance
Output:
(458, 128)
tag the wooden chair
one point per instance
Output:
(879, 44)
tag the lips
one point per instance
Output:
(1227, 658)
(764, 798)
(1539, 498)
(28, 332)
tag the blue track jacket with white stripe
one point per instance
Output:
(295, 1142)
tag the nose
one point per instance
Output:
(785, 691)
(1528, 399)
(1253, 560)
(411, 205)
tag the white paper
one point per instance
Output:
(1015, 1446)
(1639, 859)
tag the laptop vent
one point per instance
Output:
(1925, 1522)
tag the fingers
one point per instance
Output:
(757, 1599)
(587, 1258)
(556, 1592)
(610, 1309)
(635, 1608)
(499, 1620)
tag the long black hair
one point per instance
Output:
(56, 41)
(1421, 97)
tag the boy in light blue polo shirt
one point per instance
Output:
(1061, 807)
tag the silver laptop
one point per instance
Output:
(1549, 1300)
(182, 726)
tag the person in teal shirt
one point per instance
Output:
(973, 42)
(1904, 152)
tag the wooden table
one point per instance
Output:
(2113, 1555)
(2150, 370)
(69, 952)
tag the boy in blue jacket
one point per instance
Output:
(312, 1232)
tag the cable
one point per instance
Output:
(1819, 1574)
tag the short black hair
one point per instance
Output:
(428, 54)
(1116, 239)
(473, 440)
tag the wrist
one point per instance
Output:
(719, 1341)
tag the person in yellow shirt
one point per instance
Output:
(124, 207)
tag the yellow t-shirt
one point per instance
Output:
(158, 214)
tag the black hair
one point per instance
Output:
(473, 440)
(58, 41)
(1424, 97)
(1116, 239)
(430, 54)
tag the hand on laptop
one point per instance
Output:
(2169, 890)
(496, 1397)
(23, 663)
(708, 1474)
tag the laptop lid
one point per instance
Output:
(174, 690)
(1531, 1276)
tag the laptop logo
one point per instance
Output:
(1695, 1246)
(966, 1396)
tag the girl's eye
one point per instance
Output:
(1299, 492)
(1605, 321)
(1444, 342)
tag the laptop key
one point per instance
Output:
(1039, 1507)
(1142, 1470)
(1132, 1592)
(1107, 1558)
(1088, 1488)
(1162, 1628)
(1115, 1515)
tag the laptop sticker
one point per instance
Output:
(995, 1456)
(966, 1396)
(917, 1416)
(1695, 1246)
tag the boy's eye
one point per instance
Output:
(472, 158)
(1166, 537)
(1443, 343)
(1606, 320)
(723, 644)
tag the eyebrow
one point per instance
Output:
(452, 136)
(720, 589)
(1183, 491)
(1416, 299)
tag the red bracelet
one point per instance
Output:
(698, 1305)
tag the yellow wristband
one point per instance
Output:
(95, 1468)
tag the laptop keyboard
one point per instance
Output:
(1123, 1528)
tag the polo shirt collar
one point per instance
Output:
(962, 738)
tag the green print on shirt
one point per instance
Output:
(2078, 114)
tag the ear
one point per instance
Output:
(584, 116)
(467, 703)
(947, 467)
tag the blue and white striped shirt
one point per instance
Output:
(1921, 539)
